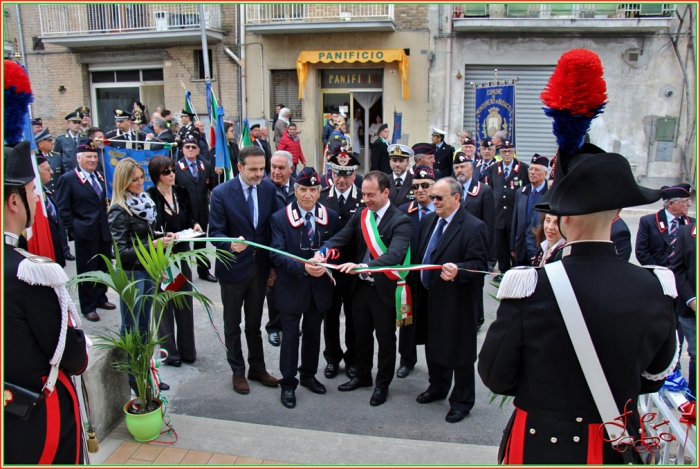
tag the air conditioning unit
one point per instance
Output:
(162, 18)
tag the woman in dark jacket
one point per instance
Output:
(173, 214)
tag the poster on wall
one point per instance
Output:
(495, 110)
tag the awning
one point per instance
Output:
(352, 56)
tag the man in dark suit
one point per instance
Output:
(477, 199)
(380, 152)
(161, 134)
(401, 178)
(281, 176)
(684, 268)
(242, 208)
(82, 206)
(124, 136)
(374, 296)
(186, 127)
(260, 140)
(443, 153)
(508, 176)
(58, 231)
(621, 238)
(481, 170)
(67, 144)
(457, 240)
(343, 197)
(424, 155)
(423, 182)
(45, 144)
(522, 241)
(198, 178)
(303, 290)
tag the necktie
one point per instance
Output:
(507, 171)
(96, 185)
(194, 170)
(50, 209)
(464, 192)
(432, 244)
(286, 190)
(341, 201)
(398, 182)
(75, 140)
(251, 205)
(673, 233)
(423, 211)
(309, 228)
(365, 259)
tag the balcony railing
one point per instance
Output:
(563, 10)
(264, 14)
(82, 19)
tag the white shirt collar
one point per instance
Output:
(346, 193)
(403, 176)
(85, 173)
(449, 217)
(382, 211)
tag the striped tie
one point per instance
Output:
(309, 229)
(96, 186)
(673, 233)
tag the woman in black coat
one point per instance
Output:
(174, 214)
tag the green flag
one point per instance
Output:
(245, 135)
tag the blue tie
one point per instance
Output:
(51, 210)
(309, 228)
(423, 211)
(673, 233)
(96, 186)
(251, 205)
(195, 170)
(434, 239)
(506, 171)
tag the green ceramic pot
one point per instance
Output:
(144, 427)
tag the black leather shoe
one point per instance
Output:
(403, 371)
(176, 363)
(331, 371)
(69, 257)
(354, 384)
(454, 416)
(313, 385)
(107, 305)
(208, 277)
(288, 398)
(274, 339)
(428, 397)
(350, 371)
(378, 397)
(164, 386)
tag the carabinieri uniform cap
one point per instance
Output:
(308, 177)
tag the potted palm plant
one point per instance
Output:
(144, 414)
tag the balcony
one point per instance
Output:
(599, 18)
(90, 25)
(319, 18)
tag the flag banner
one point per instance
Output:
(396, 136)
(495, 110)
(245, 135)
(188, 103)
(212, 108)
(142, 156)
(223, 158)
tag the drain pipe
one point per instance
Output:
(448, 76)
(241, 64)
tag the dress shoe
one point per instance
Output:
(69, 257)
(164, 386)
(354, 384)
(92, 316)
(189, 361)
(454, 416)
(427, 397)
(378, 396)
(331, 371)
(403, 371)
(240, 384)
(350, 371)
(263, 377)
(274, 339)
(479, 323)
(313, 385)
(107, 305)
(288, 398)
(175, 363)
(208, 277)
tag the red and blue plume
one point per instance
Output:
(575, 95)
(18, 96)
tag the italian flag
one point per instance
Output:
(39, 239)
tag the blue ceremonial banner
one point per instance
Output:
(397, 128)
(495, 110)
(142, 156)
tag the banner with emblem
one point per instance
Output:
(495, 109)
(114, 155)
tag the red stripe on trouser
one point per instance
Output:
(53, 428)
(595, 445)
(516, 441)
(76, 412)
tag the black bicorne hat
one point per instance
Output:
(19, 169)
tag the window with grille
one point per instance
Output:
(285, 90)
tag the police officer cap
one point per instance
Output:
(437, 132)
(487, 143)
(469, 141)
(342, 163)
(37, 121)
(18, 165)
(308, 177)
(44, 134)
(85, 146)
(679, 191)
(74, 116)
(399, 151)
(423, 172)
(382, 127)
(461, 157)
(120, 115)
(84, 110)
(540, 160)
(423, 149)
(190, 114)
(507, 144)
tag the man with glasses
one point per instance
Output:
(400, 178)
(523, 246)
(422, 187)
(344, 197)
(303, 291)
(458, 241)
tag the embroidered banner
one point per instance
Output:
(495, 110)
(142, 156)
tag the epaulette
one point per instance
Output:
(666, 278)
(518, 282)
(39, 270)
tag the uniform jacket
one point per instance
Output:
(58, 232)
(443, 159)
(395, 231)
(354, 204)
(294, 287)
(527, 352)
(479, 202)
(400, 195)
(412, 209)
(56, 164)
(230, 218)
(65, 145)
(684, 268)
(452, 311)
(504, 190)
(522, 241)
(653, 243)
(199, 189)
(117, 139)
(32, 323)
(621, 237)
(380, 156)
(82, 212)
(485, 176)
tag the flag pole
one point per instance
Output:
(205, 49)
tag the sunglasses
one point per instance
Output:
(438, 197)
(190, 147)
(166, 172)
(424, 185)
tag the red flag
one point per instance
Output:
(39, 240)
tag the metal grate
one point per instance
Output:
(285, 90)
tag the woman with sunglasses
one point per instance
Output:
(174, 213)
(132, 215)
(549, 238)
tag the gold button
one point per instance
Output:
(532, 431)
(576, 439)
(579, 419)
(553, 440)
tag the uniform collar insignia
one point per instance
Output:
(661, 224)
(693, 232)
(80, 175)
(474, 191)
(412, 207)
(296, 220)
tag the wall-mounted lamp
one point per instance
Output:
(61, 89)
(459, 75)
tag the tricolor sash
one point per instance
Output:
(404, 313)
